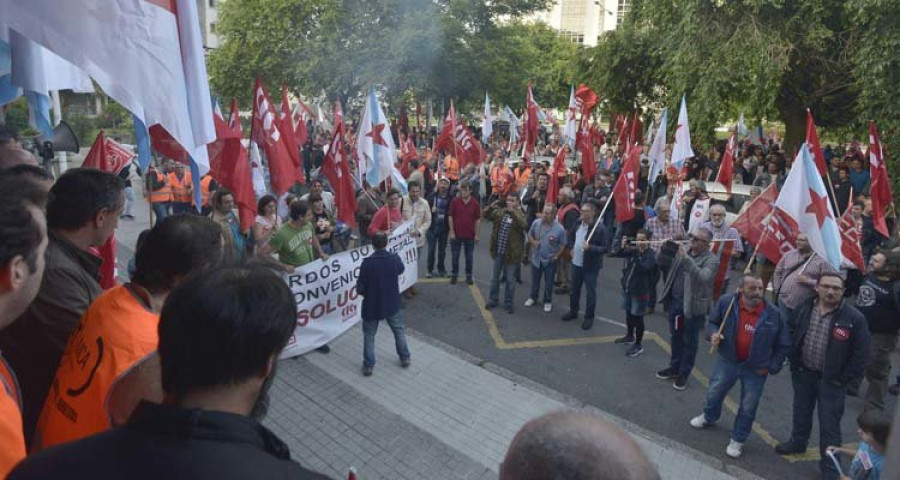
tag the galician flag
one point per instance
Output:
(375, 147)
(658, 148)
(805, 201)
(487, 127)
(682, 149)
(571, 129)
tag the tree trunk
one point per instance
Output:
(794, 118)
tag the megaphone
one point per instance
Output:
(64, 139)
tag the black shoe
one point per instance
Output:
(587, 323)
(667, 374)
(405, 362)
(490, 305)
(324, 349)
(452, 280)
(519, 280)
(789, 448)
(635, 350)
(570, 315)
(510, 309)
(470, 281)
(367, 371)
(680, 383)
(626, 340)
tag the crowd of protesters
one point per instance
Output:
(833, 328)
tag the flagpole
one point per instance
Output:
(599, 217)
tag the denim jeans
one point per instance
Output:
(161, 210)
(370, 328)
(547, 271)
(455, 245)
(811, 393)
(724, 377)
(878, 369)
(588, 279)
(510, 291)
(437, 244)
(181, 207)
(685, 339)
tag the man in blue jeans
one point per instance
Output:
(463, 216)
(379, 285)
(752, 346)
(688, 296)
(587, 260)
(547, 238)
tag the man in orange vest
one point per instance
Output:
(119, 332)
(160, 193)
(451, 170)
(501, 177)
(22, 246)
(207, 187)
(182, 189)
(522, 173)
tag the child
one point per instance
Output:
(874, 429)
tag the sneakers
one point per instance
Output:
(367, 371)
(587, 323)
(635, 350)
(570, 315)
(470, 281)
(529, 302)
(626, 340)
(667, 374)
(548, 307)
(789, 448)
(734, 449)
(429, 275)
(324, 349)
(680, 383)
(405, 362)
(700, 421)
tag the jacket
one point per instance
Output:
(637, 273)
(593, 256)
(420, 212)
(848, 344)
(379, 285)
(516, 248)
(699, 274)
(440, 224)
(771, 339)
(164, 441)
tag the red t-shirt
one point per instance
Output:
(465, 217)
(747, 319)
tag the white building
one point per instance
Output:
(584, 21)
(208, 14)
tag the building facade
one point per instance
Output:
(207, 11)
(585, 21)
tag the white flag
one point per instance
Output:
(658, 148)
(682, 149)
(741, 126)
(487, 127)
(571, 128)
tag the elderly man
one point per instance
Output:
(568, 216)
(547, 239)
(796, 275)
(688, 295)
(752, 346)
(416, 208)
(726, 245)
(587, 260)
(663, 227)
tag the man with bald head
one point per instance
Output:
(572, 445)
(12, 155)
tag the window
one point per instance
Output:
(212, 27)
(212, 3)
(574, 37)
(623, 9)
(573, 15)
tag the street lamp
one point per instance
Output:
(610, 12)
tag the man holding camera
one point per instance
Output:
(507, 243)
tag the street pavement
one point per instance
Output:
(477, 376)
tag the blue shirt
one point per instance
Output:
(859, 180)
(552, 237)
(867, 464)
(578, 249)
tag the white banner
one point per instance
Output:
(699, 214)
(325, 291)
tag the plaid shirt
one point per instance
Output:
(791, 292)
(503, 234)
(815, 343)
(674, 230)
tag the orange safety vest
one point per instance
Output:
(181, 189)
(116, 332)
(522, 177)
(561, 214)
(499, 177)
(164, 194)
(451, 168)
(204, 189)
(12, 438)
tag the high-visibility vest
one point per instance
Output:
(12, 438)
(451, 168)
(116, 333)
(181, 189)
(164, 194)
(522, 177)
(561, 214)
(500, 175)
(204, 189)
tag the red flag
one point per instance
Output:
(446, 140)
(623, 132)
(597, 137)
(234, 119)
(752, 222)
(230, 166)
(812, 139)
(336, 168)
(587, 98)
(164, 143)
(850, 248)
(726, 169)
(880, 188)
(290, 141)
(300, 115)
(456, 139)
(531, 123)
(98, 157)
(722, 250)
(779, 236)
(626, 185)
(559, 163)
(472, 147)
(266, 132)
(637, 130)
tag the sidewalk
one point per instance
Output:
(448, 416)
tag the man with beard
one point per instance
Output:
(726, 245)
(877, 301)
(208, 423)
(753, 345)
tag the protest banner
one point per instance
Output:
(325, 291)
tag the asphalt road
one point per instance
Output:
(589, 367)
